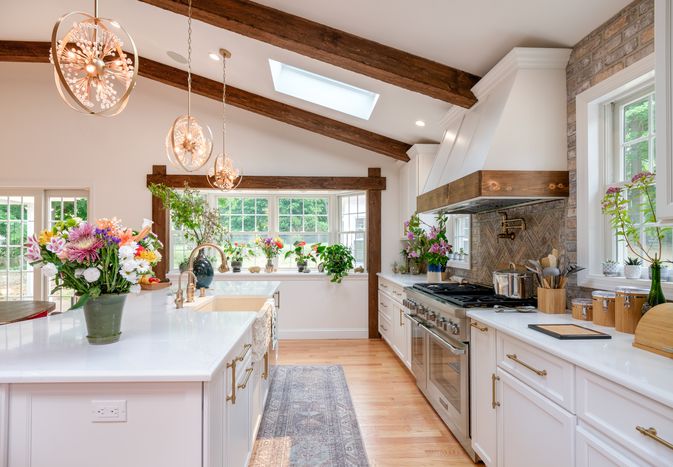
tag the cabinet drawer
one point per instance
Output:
(385, 327)
(386, 305)
(616, 412)
(394, 291)
(547, 374)
(594, 450)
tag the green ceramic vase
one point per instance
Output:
(103, 317)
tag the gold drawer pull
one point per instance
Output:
(244, 384)
(494, 403)
(651, 432)
(512, 356)
(401, 318)
(244, 352)
(474, 324)
(232, 396)
(383, 305)
(265, 374)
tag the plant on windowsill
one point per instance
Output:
(237, 252)
(301, 257)
(198, 223)
(616, 205)
(271, 248)
(337, 260)
(632, 268)
(611, 268)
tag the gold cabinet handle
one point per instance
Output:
(512, 356)
(232, 396)
(243, 353)
(383, 305)
(474, 324)
(494, 403)
(244, 384)
(651, 432)
(265, 374)
(401, 318)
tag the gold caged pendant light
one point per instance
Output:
(189, 144)
(93, 74)
(223, 175)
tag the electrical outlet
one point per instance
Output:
(108, 411)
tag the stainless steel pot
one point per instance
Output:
(513, 282)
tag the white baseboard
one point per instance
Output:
(321, 333)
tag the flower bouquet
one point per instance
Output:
(438, 250)
(101, 262)
(271, 248)
(417, 244)
(301, 257)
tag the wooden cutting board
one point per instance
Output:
(655, 330)
(13, 312)
(569, 331)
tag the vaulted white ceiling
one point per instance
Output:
(470, 35)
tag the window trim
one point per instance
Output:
(593, 171)
(451, 236)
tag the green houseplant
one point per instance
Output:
(198, 223)
(632, 268)
(301, 257)
(337, 260)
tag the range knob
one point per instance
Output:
(442, 323)
(432, 316)
(455, 329)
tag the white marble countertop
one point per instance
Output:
(158, 343)
(403, 280)
(615, 359)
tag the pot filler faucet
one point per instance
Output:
(191, 277)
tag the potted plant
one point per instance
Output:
(237, 252)
(337, 260)
(611, 268)
(632, 268)
(438, 250)
(301, 257)
(271, 248)
(616, 205)
(417, 244)
(198, 223)
(101, 262)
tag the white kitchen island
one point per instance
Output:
(161, 396)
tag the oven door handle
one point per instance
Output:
(413, 318)
(443, 342)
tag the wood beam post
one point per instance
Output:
(373, 253)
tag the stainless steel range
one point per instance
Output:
(440, 347)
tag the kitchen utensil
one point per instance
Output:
(514, 282)
(655, 331)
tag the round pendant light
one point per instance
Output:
(93, 74)
(189, 144)
(223, 175)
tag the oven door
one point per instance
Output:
(448, 382)
(419, 345)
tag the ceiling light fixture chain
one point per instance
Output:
(93, 73)
(223, 175)
(189, 144)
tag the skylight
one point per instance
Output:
(323, 91)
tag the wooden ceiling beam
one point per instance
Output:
(333, 46)
(38, 52)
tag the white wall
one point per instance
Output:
(46, 144)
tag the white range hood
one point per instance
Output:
(518, 125)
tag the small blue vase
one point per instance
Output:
(203, 271)
(434, 268)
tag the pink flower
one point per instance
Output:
(413, 254)
(640, 176)
(406, 224)
(33, 252)
(410, 235)
(433, 233)
(56, 245)
(83, 245)
(435, 248)
(613, 190)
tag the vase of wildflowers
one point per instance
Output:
(438, 250)
(416, 244)
(637, 197)
(271, 248)
(102, 262)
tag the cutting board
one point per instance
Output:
(569, 331)
(12, 312)
(655, 330)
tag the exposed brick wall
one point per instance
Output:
(619, 42)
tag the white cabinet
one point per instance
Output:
(238, 419)
(401, 335)
(532, 430)
(482, 398)
(394, 327)
(413, 175)
(593, 450)
(4, 421)
(664, 119)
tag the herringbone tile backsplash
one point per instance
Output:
(545, 227)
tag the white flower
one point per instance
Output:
(146, 223)
(143, 265)
(128, 251)
(132, 277)
(134, 288)
(129, 265)
(91, 274)
(49, 270)
(79, 272)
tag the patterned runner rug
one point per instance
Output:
(309, 421)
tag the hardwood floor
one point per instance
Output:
(398, 426)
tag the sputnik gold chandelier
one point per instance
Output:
(93, 74)
(188, 143)
(223, 175)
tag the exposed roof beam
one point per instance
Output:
(38, 52)
(333, 46)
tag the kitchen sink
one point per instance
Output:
(222, 303)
